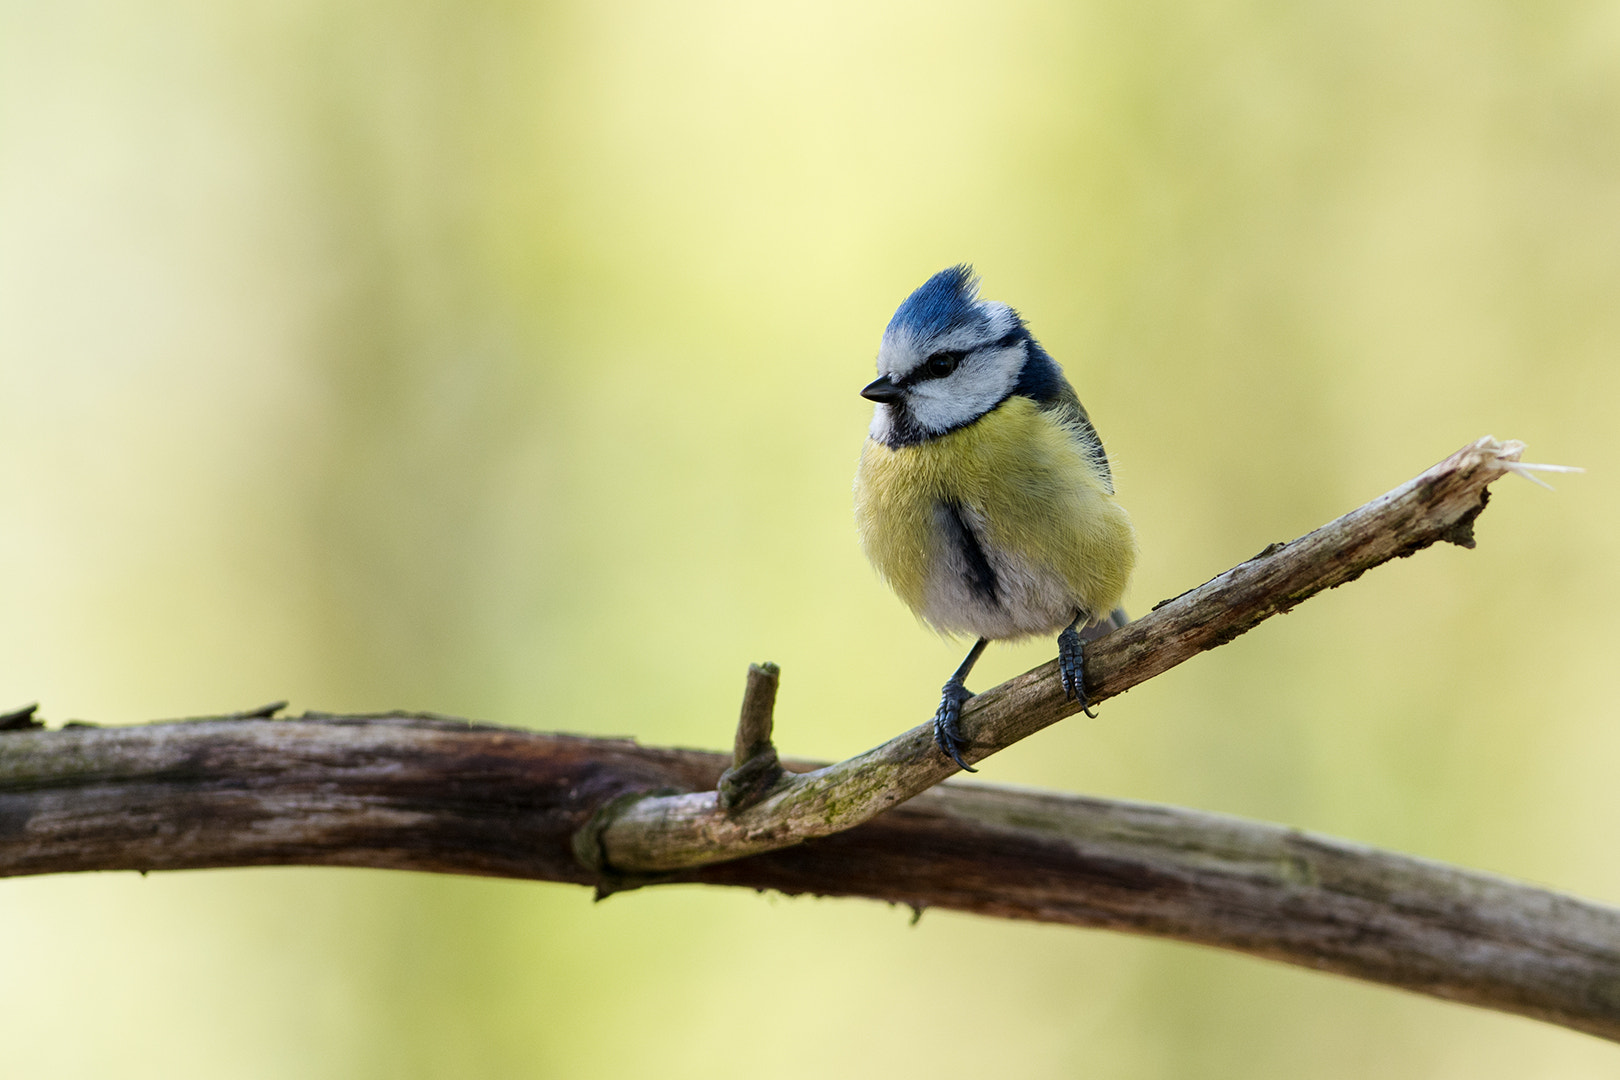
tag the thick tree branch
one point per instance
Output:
(666, 832)
(427, 793)
(430, 794)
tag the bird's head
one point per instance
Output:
(946, 359)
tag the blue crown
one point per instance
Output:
(943, 302)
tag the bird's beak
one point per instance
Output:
(883, 391)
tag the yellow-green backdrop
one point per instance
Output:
(468, 356)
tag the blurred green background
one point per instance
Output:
(458, 356)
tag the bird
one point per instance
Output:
(983, 496)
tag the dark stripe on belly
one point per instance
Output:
(981, 576)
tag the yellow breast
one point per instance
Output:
(1043, 512)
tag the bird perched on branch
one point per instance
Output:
(983, 495)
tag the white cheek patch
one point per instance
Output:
(982, 382)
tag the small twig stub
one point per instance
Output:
(755, 768)
(21, 719)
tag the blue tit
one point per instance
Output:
(983, 496)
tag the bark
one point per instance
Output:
(432, 794)
(417, 792)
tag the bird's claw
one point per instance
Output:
(1071, 666)
(947, 735)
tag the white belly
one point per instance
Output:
(1020, 599)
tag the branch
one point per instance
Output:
(431, 794)
(660, 833)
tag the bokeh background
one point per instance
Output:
(468, 355)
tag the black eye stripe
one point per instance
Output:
(931, 368)
(952, 358)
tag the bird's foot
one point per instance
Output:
(947, 733)
(1071, 665)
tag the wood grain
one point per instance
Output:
(434, 794)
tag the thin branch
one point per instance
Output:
(446, 796)
(660, 833)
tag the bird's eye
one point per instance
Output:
(942, 364)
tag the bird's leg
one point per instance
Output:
(1071, 663)
(946, 734)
